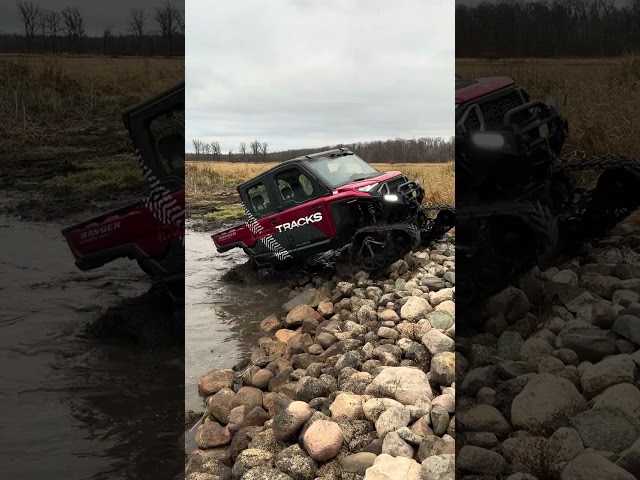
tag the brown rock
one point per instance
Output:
(270, 325)
(389, 315)
(434, 445)
(221, 404)
(347, 406)
(281, 379)
(357, 463)
(284, 335)
(323, 440)
(325, 308)
(288, 421)
(236, 418)
(421, 427)
(299, 343)
(214, 381)
(298, 314)
(256, 417)
(275, 348)
(212, 434)
(262, 378)
(249, 396)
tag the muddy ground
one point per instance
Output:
(69, 173)
(74, 406)
(223, 210)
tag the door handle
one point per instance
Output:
(274, 221)
(316, 208)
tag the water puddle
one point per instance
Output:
(225, 304)
(72, 405)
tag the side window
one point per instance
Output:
(295, 186)
(259, 199)
(167, 131)
(306, 185)
(286, 192)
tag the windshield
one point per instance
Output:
(167, 130)
(341, 169)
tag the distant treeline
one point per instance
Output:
(157, 31)
(399, 150)
(543, 29)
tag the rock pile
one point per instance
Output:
(355, 381)
(549, 389)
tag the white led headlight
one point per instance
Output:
(488, 140)
(368, 188)
(390, 197)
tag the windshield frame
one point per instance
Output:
(310, 161)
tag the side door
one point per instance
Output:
(304, 217)
(262, 219)
(156, 127)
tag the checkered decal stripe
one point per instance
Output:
(271, 243)
(160, 203)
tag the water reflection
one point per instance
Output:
(76, 403)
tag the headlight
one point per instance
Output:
(368, 188)
(488, 140)
(391, 198)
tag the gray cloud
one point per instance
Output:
(303, 73)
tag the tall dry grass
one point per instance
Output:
(45, 92)
(206, 180)
(599, 97)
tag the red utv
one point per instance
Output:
(330, 200)
(149, 231)
(518, 204)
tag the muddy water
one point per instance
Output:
(223, 312)
(72, 404)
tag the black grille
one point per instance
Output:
(493, 111)
(394, 183)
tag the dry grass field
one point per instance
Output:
(67, 110)
(212, 198)
(597, 96)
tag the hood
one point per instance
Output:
(470, 90)
(363, 183)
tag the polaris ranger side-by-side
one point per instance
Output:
(518, 205)
(149, 231)
(329, 200)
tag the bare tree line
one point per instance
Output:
(153, 32)
(256, 150)
(547, 28)
(399, 150)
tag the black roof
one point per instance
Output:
(302, 158)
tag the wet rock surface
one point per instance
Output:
(549, 382)
(354, 378)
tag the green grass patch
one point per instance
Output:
(225, 212)
(204, 203)
(95, 179)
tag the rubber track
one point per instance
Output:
(414, 232)
(536, 215)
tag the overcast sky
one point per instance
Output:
(97, 14)
(305, 73)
